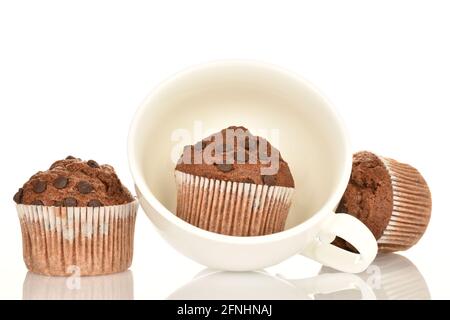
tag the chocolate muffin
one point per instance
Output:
(76, 217)
(74, 183)
(234, 183)
(391, 198)
(240, 153)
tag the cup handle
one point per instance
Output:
(335, 282)
(354, 232)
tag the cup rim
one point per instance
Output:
(142, 188)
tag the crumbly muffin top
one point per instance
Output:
(74, 183)
(234, 154)
(369, 195)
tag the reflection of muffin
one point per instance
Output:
(234, 183)
(390, 276)
(76, 217)
(118, 286)
(391, 198)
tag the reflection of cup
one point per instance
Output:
(391, 276)
(259, 285)
(312, 139)
(117, 286)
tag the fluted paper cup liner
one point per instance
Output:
(232, 208)
(411, 210)
(77, 240)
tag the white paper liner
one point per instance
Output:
(411, 207)
(90, 241)
(232, 208)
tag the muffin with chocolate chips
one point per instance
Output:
(234, 183)
(391, 198)
(74, 183)
(76, 217)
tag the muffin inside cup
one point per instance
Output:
(76, 218)
(234, 183)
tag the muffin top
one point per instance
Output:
(74, 183)
(234, 154)
(369, 195)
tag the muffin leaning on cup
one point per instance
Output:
(391, 198)
(76, 217)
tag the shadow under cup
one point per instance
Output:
(262, 98)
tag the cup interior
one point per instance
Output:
(269, 102)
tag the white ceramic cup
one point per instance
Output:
(312, 139)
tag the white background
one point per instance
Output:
(72, 74)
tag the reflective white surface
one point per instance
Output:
(118, 286)
(260, 285)
(390, 277)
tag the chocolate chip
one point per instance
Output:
(93, 164)
(39, 186)
(248, 180)
(37, 203)
(57, 203)
(94, 203)
(60, 182)
(241, 128)
(224, 167)
(18, 196)
(269, 180)
(55, 164)
(84, 187)
(70, 202)
(70, 158)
